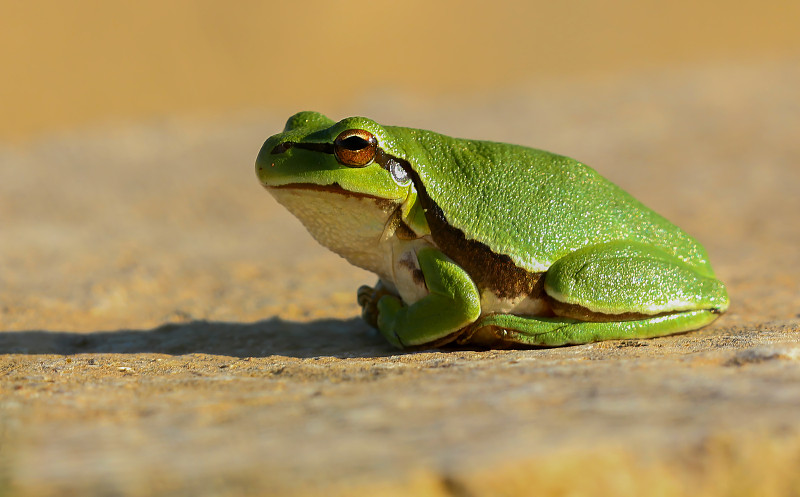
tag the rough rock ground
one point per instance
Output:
(168, 329)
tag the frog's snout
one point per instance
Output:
(264, 160)
(270, 148)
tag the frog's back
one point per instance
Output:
(532, 205)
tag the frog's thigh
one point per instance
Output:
(627, 277)
(453, 302)
(617, 290)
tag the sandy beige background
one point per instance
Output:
(167, 329)
(83, 62)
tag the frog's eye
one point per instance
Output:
(355, 147)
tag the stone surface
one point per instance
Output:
(168, 329)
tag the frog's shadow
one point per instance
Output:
(327, 337)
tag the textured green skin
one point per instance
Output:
(601, 248)
(496, 192)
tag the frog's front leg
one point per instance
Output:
(452, 303)
(612, 291)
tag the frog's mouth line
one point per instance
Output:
(335, 188)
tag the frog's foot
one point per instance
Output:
(368, 298)
(612, 291)
(452, 304)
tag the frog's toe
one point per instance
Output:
(364, 295)
(368, 298)
(369, 305)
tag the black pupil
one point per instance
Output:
(354, 143)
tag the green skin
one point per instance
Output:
(487, 243)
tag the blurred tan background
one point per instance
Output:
(89, 62)
(166, 328)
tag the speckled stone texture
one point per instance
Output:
(168, 329)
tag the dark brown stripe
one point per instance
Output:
(497, 272)
(381, 158)
(383, 203)
(404, 232)
(325, 148)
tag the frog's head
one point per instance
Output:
(347, 157)
(342, 180)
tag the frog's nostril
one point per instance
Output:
(281, 148)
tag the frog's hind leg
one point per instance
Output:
(509, 329)
(613, 291)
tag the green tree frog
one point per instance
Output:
(484, 243)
